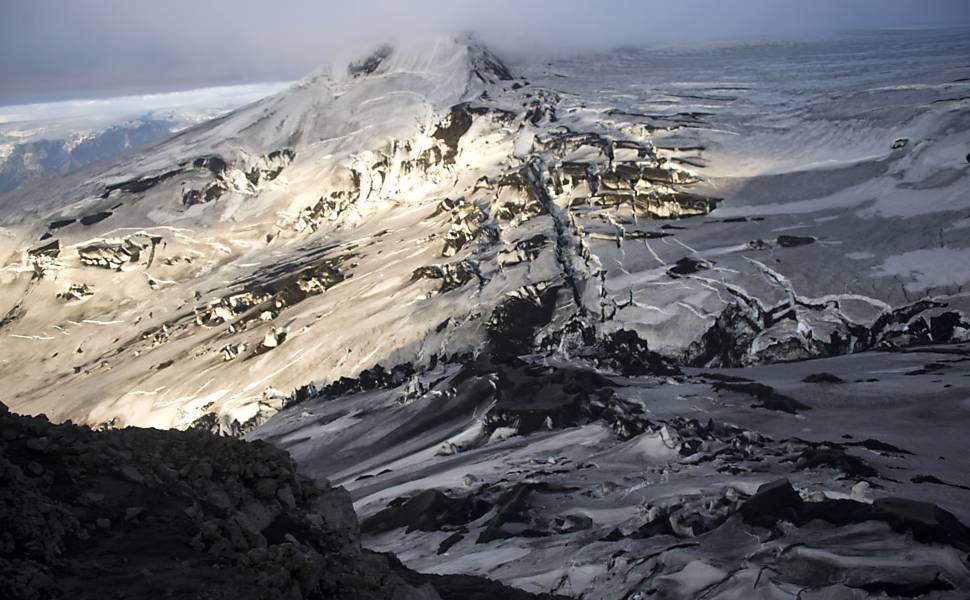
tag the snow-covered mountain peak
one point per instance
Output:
(394, 91)
(269, 206)
(390, 191)
(438, 56)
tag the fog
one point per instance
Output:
(54, 49)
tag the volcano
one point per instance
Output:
(593, 327)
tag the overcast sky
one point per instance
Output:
(54, 49)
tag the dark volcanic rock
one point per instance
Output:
(377, 377)
(878, 446)
(724, 377)
(51, 249)
(943, 325)
(834, 457)
(450, 541)
(370, 63)
(690, 516)
(452, 276)
(488, 67)
(465, 587)
(764, 394)
(726, 343)
(529, 397)
(628, 354)
(136, 186)
(429, 510)
(731, 341)
(524, 251)
(95, 218)
(822, 378)
(76, 291)
(926, 522)
(215, 164)
(112, 255)
(773, 501)
(513, 325)
(907, 589)
(937, 481)
(687, 266)
(141, 513)
(210, 193)
(54, 225)
(791, 241)
(459, 121)
(513, 515)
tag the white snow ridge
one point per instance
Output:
(640, 324)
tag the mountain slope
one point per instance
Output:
(206, 244)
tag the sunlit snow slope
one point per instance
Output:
(375, 212)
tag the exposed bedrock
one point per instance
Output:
(369, 64)
(626, 353)
(76, 292)
(523, 251)
(115, 253)
(452, 276)
(513, 325)
(266, 294)
(450, 131)
(210, 177)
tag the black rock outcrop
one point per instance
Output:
(926, 522)
(142, 513)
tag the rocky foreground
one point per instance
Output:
(141, 513)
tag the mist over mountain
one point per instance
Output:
(54, 49)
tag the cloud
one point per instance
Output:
(221, 98)
(64, 48)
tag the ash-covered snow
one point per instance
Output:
(578, 311)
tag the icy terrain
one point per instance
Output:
(556, 323)
(54, 138)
